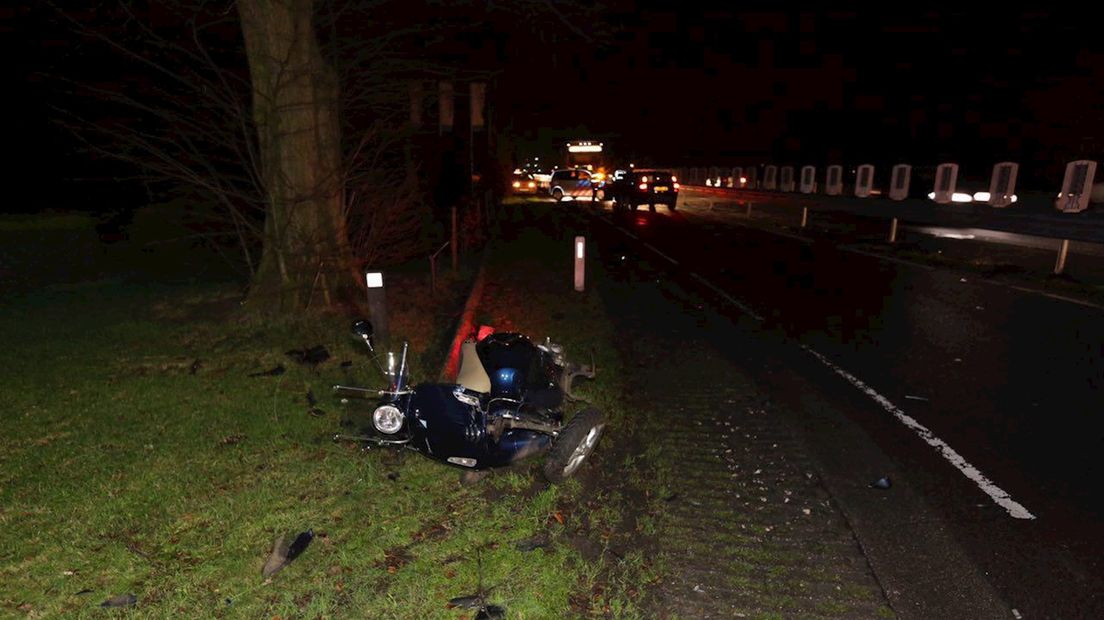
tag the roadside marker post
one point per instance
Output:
(580, 263)
(377, 307)
(1060, 264)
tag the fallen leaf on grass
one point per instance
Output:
(395, 558)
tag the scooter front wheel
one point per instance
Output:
(574, 444)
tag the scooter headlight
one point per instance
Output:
(387, 419)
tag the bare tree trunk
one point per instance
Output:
(295, 110)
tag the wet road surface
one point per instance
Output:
(1008, 381)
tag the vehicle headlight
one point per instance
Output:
(387, 419)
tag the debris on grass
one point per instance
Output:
(395, 558)
(282, 554)
(533, 543)
(276, 560)
(881, 483)
(491, 612)
(121, 600)
(274, 372)
(194, 368)
(302, 541)
(472, 601)
(231, 440)
(309, 357)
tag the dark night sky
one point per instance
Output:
(706, 86)
(680, 84)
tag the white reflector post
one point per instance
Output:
(808, 179)
(377, 307)
(899, 183)
(1002, 186)
(864, 180)
(946, 177)
(751, 173)
(833, 181)
(787, 179)
(770, 176)
(580, 263)
(1076, 186)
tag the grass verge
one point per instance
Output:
(141, 457)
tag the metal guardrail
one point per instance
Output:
(1033, 214)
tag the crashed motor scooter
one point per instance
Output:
(507, 404)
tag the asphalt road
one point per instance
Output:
(983, 401)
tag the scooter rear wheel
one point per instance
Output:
(574, 444)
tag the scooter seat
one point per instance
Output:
(472, 375)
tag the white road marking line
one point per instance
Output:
(892, 259)
(998, 495)
(656, 250)
(746, 309)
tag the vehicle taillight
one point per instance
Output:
(644, 186)
(532, 184)
(676, 187)
(643, 179)
(517, 183)
(674, 180)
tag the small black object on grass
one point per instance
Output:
(194, 368)
(274, 372)
(491, 612)
(474, 601)
(300, 544)
(310, 357)
(533, 543)
(281, 556)
(121, 600)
